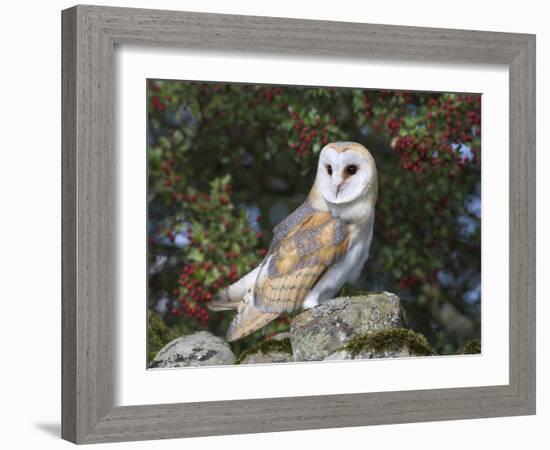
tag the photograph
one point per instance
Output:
(294, 223)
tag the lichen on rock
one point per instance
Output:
(318, 332)
(197, 349)
(364, 326)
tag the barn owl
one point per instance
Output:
(320, 246)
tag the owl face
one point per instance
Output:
(345, 172)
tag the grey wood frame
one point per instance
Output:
(89, 37)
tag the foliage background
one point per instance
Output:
(227, 162)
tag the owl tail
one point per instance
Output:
(247, 320)
(223, 302)
(239, 296)
(231, 296)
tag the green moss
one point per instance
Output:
(348, 291)
(472, 347)
(345, 290)
(392, 339)
(269, 346)
(158, 334)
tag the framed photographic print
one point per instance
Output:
(254, 212)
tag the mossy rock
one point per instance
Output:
(472, 347)
(318, 332)
(194, 350)
(158, 334)
(389, 343)
(270, 351)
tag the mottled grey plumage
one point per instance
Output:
(283, 228)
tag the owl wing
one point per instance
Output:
(299, 255)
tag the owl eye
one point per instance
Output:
(329, 169)
(351, 170)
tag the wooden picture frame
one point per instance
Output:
(90, 34)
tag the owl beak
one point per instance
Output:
(338, 188)
(337, 182)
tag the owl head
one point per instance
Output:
(346, 172)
